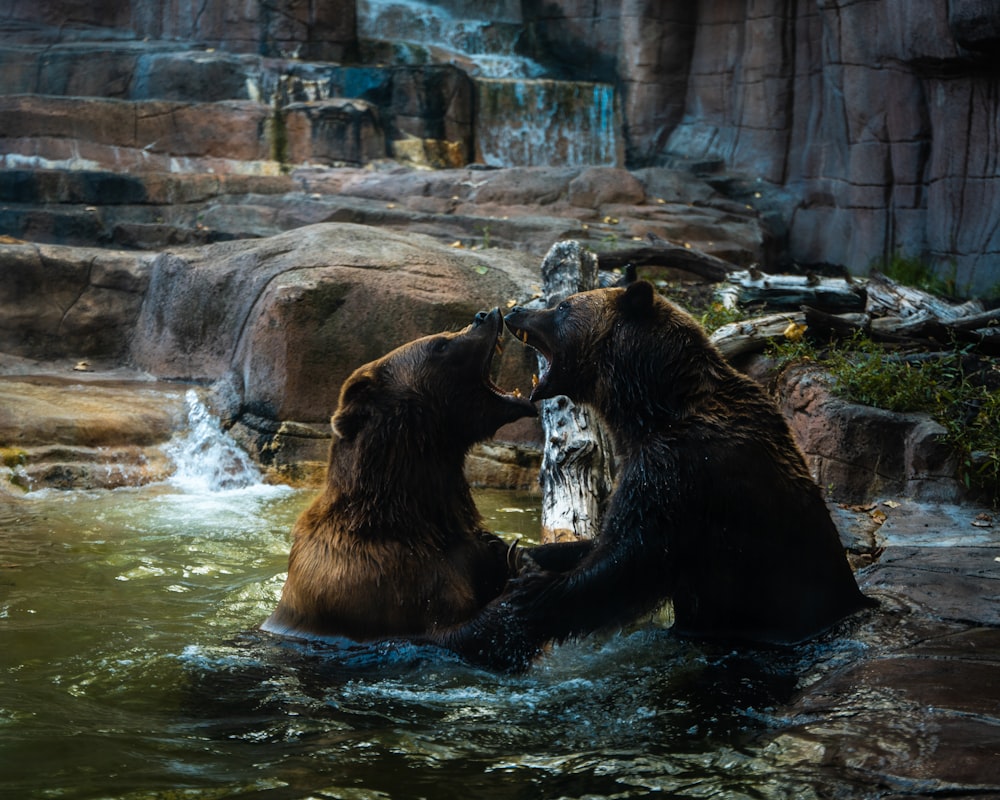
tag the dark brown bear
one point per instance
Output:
(394, 546)
(714, 506)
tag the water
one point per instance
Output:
(206, 459)
(546, 123)
(522, 117)
(131, 669)
(423, 31)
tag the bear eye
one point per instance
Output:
(439, 346)
(563, 306)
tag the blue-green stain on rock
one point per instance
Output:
(546, 123)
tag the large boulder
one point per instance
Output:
(279, 323)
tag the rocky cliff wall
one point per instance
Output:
(861, 129)
(877, 119)
(324, 31)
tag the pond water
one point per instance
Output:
(131, 669)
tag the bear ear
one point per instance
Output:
(637, 301)
(357, 403)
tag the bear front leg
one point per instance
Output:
(495, 639)
(554, 557)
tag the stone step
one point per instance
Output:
(292, 111)
(135, 136)
(466, 207)
(86, 431)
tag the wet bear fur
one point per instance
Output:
(714, 507)
(394, 545)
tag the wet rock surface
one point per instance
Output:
(64, 428)
(916, 710)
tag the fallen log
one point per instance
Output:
(888, 298)
(747, 287)
(753, 335)
(979, 331)
(666, 254)
(825, 326)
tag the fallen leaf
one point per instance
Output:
(794, 331)
(891, 503)
(879, 516)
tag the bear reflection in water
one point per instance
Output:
(714, 507)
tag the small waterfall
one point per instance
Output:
(422, 31)
(206, 457)
(522, 118)
(546, 123)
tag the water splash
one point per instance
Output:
(206, 457)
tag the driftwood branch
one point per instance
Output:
(888, 298)
(661, 253)
(895, 314)
(577, 472)
(792, 291)
(910, 316)
(752, 335)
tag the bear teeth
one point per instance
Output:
(534, 381)
(523, 336)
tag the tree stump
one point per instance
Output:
(577, 472)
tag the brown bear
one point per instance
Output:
(714, 507)
(394, 545)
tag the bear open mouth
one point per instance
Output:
(536, 343)
(496, 349)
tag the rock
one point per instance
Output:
(933, 637)
(285, 320)
(525, 186)
(287, 28)
(597, 187)
(58, 302)
(331, 132)
(862, 160)
(858, 452)
(975, 24)
(72, 431)
(792, 101)
(134, 136)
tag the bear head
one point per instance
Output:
(435, 392)
(622, 350)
